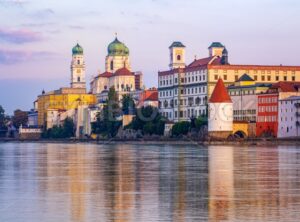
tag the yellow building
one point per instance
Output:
(62, 100)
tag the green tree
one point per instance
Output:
(107, 123)
(20, 118)
(2, 117)
(149, 120)
(68, 128)
(181, 128)
(128, 105)
(201, 121)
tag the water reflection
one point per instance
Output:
(52, 182)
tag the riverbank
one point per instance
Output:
(253, 142)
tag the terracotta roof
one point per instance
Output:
(105, 74)
(286, 86)
(201, 62)
(220, 94)
(123, 72)
(152, 97)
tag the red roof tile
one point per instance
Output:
(286, 86)
(205, 61)
(123, 72)
(220, 94)
(105, 74)
(152, 97)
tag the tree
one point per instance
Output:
(2, 117)
(20, 118)
(181, 128)
(3, 121)
(68, 128)
(200, 122)
(107, 123)
(149, 120)
(128, 105)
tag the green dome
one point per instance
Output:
(117, 48)
(77, 50)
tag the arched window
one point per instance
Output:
(78, 79)
(178, 57)
(78, 62)
(112, 65)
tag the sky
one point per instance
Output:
(36, 37)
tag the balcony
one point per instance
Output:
(297, 105)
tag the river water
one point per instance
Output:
(87, 182)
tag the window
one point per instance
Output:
(293, 78)
(78, 62)
(78, 79)
(285, 78)
(112, 65)
(277, 78)
(255, 77)
(263, 78)
(236, 77)
(175, 80)
(225, 77)
(216, 77)
(269, 78)
(178, 57)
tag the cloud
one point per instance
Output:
(10, 57)
(18, 3)
(76, 27)
(38, 25)
(19, 36)
(43, 13)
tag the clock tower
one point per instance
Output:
(77, 68)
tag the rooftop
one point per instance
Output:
(220, 94)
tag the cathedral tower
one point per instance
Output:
(177, 55)
(77, 68)
(117, 57)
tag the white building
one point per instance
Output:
(220, 109)
(117, 73)
(289, 117)
(183, 90)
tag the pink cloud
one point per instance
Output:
(10, 57)
(19, 36)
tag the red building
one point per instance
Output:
(267, 104)
(267, 116)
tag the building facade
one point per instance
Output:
(289, 117)
(244, 97)
(184, 89)
(117, 74)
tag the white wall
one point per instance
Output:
(220, 117)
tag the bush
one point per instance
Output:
(181, 128)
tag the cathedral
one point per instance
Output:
(118, 73)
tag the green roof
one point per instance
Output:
(216, 45)
(77, 50)
(177, 44)
(117, 48)
(245, 77)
